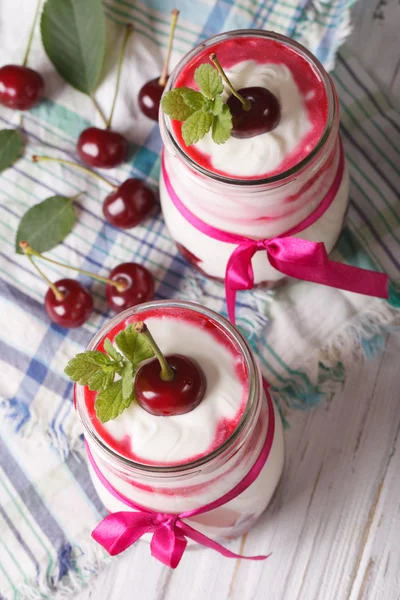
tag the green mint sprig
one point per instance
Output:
(200, 111)
(98, 370)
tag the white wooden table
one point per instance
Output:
(334, 524)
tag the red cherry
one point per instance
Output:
(20, 87)
(139, 286)
(167, 398)
(150, 98)
(263, 116)
(102, 147)
(74, 309)
(129, 204)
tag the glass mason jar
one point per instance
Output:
(257, 208)
(187, 486)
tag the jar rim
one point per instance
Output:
(244, 425)
(332, 117)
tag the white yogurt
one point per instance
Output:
(178, 439)
(256, 155)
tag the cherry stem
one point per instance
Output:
(28, 48)
(99, 110)
(59, 295)
(128, 31)
(166, 372)
(245, 103)
(70, 163)
(29, 251)
(164, 75)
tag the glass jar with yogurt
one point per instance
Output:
(262, 186)
(175, 464)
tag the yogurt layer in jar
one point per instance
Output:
(174, 464)
(261, 186)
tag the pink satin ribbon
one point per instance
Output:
(292, 256)
(120, 530)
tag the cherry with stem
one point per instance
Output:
(21, 87)
(151, 92)
(255, 109)
(129, 284)
(66, 302)
(167, 385)
(127, 205)
(105, 148)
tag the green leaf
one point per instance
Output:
(111, 351)
(196, 127)
(101, 380)
(217, 106)
(83, 366)
(194, 99)
(46, 224)
(133, 345)
(222, 126)
(174, 105)
(10, 148)
(73, 35)
(127, 381)
(209, 80)
(110, 402)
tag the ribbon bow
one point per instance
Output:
(119, 530)
(301, 259)
(292, 256)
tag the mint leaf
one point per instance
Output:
(10, 148)
(174, 105)
(46, 224)
(84, 365)
(127, 381)
(110, 402)
(101, 380)
(217, 105)
(209, 81)
(196, 127)
(194, 99)
(222, 125)
(111, 351)
(133, 346)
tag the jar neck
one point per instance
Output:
(231, 445)
(309, 164)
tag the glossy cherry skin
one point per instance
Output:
(168, 398)
(20, 87)
(129, 204)
(263, 116)
(102, 148)
(139, 286)
(150, 98)
(75, 307)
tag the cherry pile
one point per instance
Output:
(69, 304)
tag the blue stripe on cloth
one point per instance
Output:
(79, 470)
(378, 239)
(344, 131)
(31, 498)
(368, 93)
(37, 370)
(20, 540)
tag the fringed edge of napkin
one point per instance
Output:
(358, 341)
(68, 576)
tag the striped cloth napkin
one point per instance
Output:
(306, 336)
